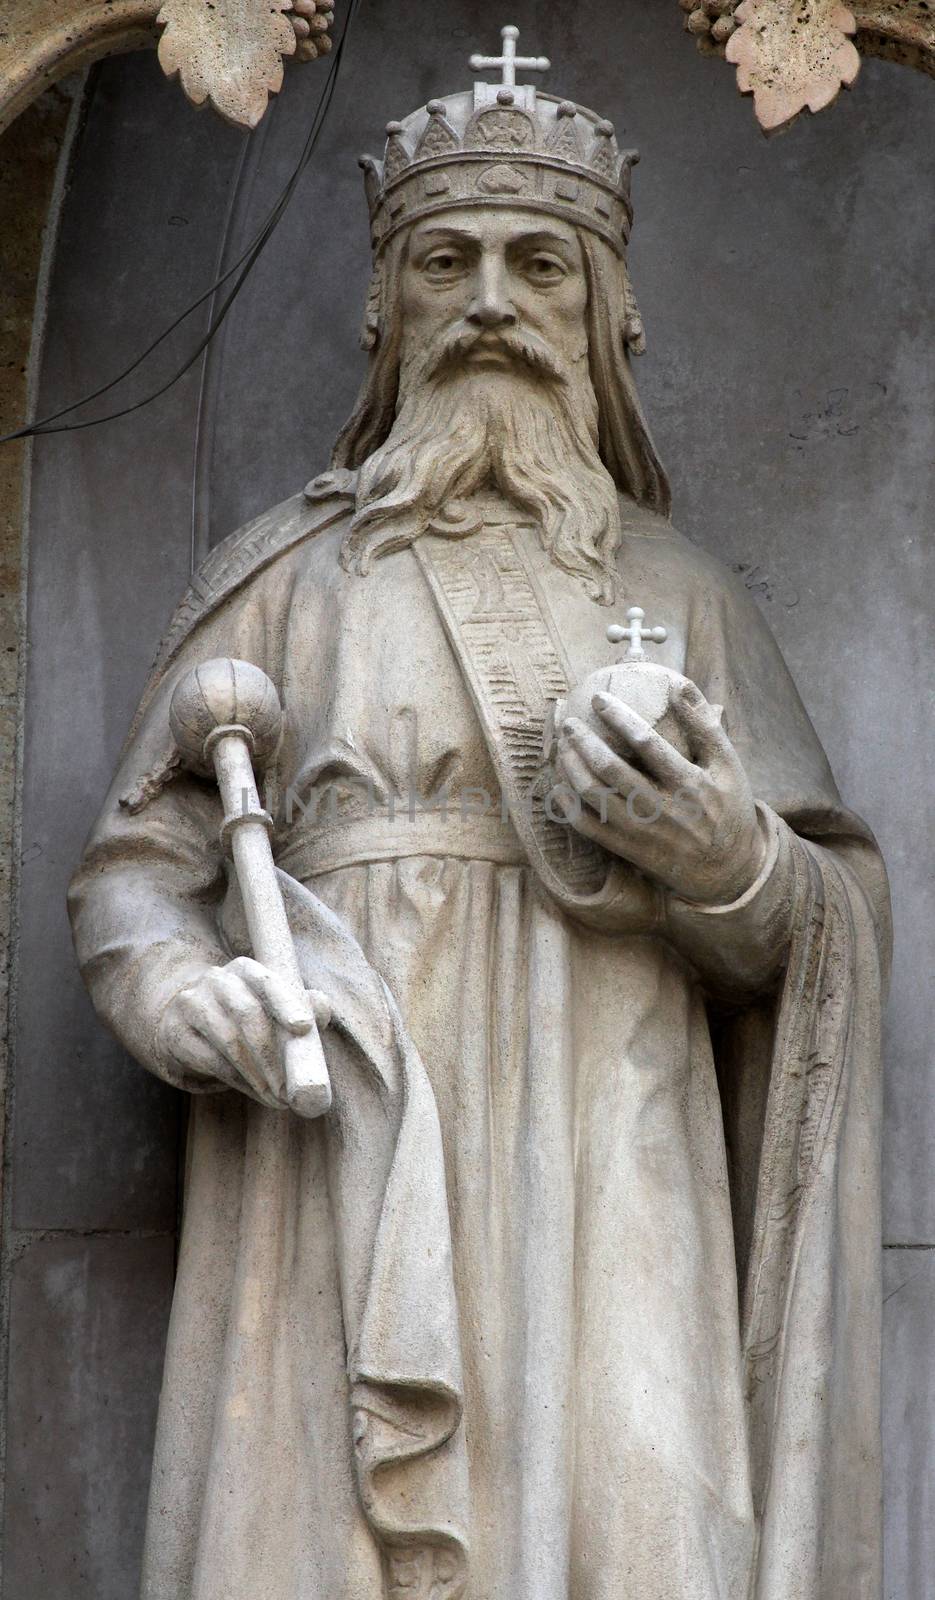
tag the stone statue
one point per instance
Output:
(572, 1294)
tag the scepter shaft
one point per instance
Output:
(224, 716)
(246, 824)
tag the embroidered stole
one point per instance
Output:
(499, 625)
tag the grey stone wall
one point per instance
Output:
(786, 289)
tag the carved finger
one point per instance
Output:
(206, 1015)
(579, 776)
(621, 781)
(604, 765)
(321, 1006)
(288, 1006)
(701, 722)
(185, 1047)
(586, 823)
(631, 788)
(258, 1033)
(608, 835)
(654, 752)
(210, 1021)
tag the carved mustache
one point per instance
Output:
(527, 349)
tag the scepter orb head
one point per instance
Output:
(224, 694)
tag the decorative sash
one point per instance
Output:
(511, 656)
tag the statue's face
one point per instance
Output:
(494, 391)
(487, 274)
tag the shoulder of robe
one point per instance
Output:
(242, 556)
(695, 567)
(253, 548)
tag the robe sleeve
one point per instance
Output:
(741, 950)
(143, 900)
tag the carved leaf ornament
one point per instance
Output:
(792, 54)
(227, 52)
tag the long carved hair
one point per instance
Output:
(614, 329)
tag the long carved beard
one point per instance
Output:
(529, 430)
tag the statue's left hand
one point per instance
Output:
(690, 824)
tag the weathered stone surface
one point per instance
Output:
(96, 1141)
(786, 51)
(229, 54)
(29, 156)
(792, 56)
(87, 1326)
(909, 1422)
(41, 41)
(898, 30)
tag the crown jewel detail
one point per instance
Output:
(502, 144)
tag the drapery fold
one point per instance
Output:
(386, 1180)
(811, 1293)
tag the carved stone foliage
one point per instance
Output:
(797, 54)
(228, 53)
(791, 58)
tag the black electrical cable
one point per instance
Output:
(247, 260)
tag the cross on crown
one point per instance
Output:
(635, 633)
(503, 145)
(510, 63)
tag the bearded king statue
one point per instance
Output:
(560, 1281)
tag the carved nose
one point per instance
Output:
(491, 313)
(491, 306)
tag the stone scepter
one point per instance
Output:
(225, 716)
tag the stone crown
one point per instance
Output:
(502, 146)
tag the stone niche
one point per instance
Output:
(786, 292)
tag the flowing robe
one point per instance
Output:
(479, 1331)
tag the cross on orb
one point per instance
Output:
(510, 61)
(635, 633)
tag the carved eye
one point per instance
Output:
(545, 269)
(443, 264)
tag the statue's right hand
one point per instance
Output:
(228, 1024)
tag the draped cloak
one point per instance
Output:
(574, 1294)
